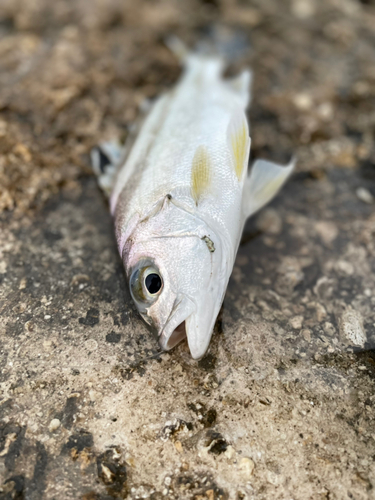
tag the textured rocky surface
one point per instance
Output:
(283, 405)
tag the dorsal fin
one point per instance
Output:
(241, 84)
(239, 143)
(201, 173)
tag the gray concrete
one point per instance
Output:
(282, 406)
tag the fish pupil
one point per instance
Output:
(153, 283)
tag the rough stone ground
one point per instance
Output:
(283, 405)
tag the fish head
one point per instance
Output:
(174, 267)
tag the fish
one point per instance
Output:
(180, 195)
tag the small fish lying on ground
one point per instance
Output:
(180, 197)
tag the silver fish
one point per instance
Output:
(180, 199)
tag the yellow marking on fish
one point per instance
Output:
(200, 173)
(239, 141)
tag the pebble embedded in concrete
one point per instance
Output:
(364, 195)
(296, 322)
(351, 327)
(246, 466)
(54, 425)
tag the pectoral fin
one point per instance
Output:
(263, 183)
(239, 143)
(201, 174)
(105, 161)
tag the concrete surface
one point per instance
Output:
(283, 405)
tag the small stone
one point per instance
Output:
(351, 327)
(178, 446)
(107, 473)
(210, 494)
(324, 288)
(321, 312)
(325, 111)
(246, 466)
(345, 267)
(306, 334)
(92, 395)
(47, 345)
(364, 195)
(167, 481)
(303, 101)
(91, 344)
(296, 322)
(303, 9)
(54, 425)
(29, 326)
(229, 452)
(329, 329)
(23, 284)
(327, 231)
(79, 279)
(22, 151)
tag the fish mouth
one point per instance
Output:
(177, 336)
(174, 331)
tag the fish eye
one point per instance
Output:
(146, 284)
(153, 283)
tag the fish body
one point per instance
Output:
(181, 198)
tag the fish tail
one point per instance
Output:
(217, 42)
(211, 56)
